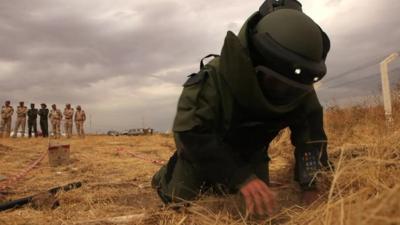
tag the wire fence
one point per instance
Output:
(352, 81)
(336, 81)
(366, 81)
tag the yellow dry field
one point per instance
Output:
(363, 189)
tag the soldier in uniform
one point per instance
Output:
(231, 110)
(44, 113)
(6, 115)
(68, 114)
(21, 119)
(32, 120)
(55, 116)
(80, 118)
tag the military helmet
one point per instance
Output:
(290, 43)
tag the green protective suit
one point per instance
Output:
(224, 125)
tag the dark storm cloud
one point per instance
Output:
(72, 46)
(125, 60)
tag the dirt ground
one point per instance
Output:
(364, 189)
(115, 183)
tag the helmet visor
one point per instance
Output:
(278, 89)
(287, 62)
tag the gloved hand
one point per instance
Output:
(259, 198)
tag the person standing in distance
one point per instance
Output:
(68, 114)
(55, 116)
(32, 120)
(6, 117)
(21, 119)
(44, 124)
(80, 118)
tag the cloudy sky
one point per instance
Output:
(124, 61)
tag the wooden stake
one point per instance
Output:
(387, 101)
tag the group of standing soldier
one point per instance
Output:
(55, 115)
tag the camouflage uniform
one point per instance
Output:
(55, 116)
(80, 118)
(6, 116)
(21, 120)
(68, 114)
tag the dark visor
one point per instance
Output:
(279, 89)
(286, 62)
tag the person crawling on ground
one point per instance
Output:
(231, 110)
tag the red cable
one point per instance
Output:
(12, 180)
(139, 156)
(154, 161)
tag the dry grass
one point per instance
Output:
(364, 189)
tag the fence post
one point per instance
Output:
(387, 102)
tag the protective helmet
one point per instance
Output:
(290, 43)
(287, 48)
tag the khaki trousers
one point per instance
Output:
(5, 127)
(79, 128)
(56, 128)
(68, 127)
(21, 122)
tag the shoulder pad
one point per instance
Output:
(195, 78)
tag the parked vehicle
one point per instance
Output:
(113, 133)
(135, 132)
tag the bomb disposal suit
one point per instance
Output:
(231, 110)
